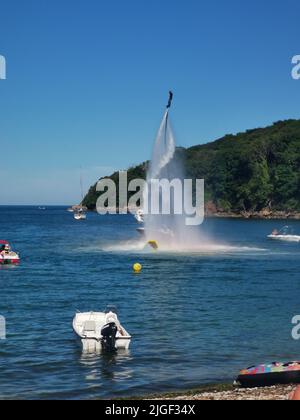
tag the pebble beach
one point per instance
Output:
(275, 393)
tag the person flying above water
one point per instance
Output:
(170, 99)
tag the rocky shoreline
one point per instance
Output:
(280, 215)
(266, 214)
(229, 393)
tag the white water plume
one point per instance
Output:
(163, 151)
(169, 230)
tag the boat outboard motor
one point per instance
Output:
(109, 333)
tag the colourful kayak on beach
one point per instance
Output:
(269, 375)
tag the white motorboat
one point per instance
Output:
(80, 215)
(139, 215)
(285, 234)
(101, 331)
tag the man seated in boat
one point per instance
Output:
(5, 250)
(113, 319)
(275, 232)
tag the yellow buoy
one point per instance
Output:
(137, 268)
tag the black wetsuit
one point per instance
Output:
(170, 99)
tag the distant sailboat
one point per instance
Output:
(79, 213)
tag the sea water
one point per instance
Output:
(196, 317)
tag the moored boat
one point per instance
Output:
(80, 215)
(139, 216)
(79, 211)
(7, 256)
(285, 234)
(101, 331)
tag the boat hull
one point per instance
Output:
(269, 379)
(93, 345)
(81, 217)
(93, 341)
(287, 238)
(9, 260)
(269, 375)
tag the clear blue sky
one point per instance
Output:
(87, 81)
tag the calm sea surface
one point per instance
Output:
(195, 318)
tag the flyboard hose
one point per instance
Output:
(154, 243)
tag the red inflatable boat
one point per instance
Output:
(7, 256)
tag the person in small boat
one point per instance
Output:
(115, 320)
(5, 250)
(275, 232)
